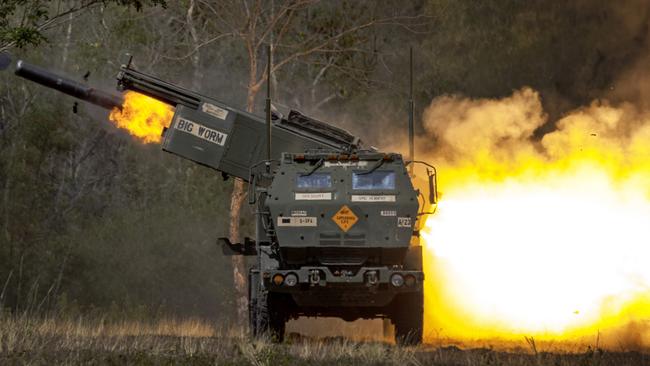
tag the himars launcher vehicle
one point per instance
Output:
(336, 222)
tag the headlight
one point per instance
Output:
(409, 280)
(291, 279)
(397, 280)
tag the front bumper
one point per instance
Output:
(369, 288)
(318, 277)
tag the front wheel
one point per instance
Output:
(268, 317)
(408, 317)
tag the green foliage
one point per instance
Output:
(23, 32)
(22, 22)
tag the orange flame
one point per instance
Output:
(142, 116)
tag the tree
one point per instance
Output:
(59, 171)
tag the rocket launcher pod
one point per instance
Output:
(227, 139)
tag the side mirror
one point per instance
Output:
(433, 186)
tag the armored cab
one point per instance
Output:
(339, 243)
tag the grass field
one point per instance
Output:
(38, 341)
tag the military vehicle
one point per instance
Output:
(336, 221)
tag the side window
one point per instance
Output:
(314, 180)
(375, 180)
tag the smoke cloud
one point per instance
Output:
(499, 135)
(467, 128)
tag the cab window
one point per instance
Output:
(375, 180)
(314, 180)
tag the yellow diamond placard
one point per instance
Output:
(345, 218)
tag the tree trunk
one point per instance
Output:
(236, 201)
(197, 76)
(66, 45)
(196, 57)
(238, 262)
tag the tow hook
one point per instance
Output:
(371, 278)
(314, 277)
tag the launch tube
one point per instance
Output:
(67, 86)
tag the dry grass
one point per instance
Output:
(31, 341)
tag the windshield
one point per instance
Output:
(314, 180)
(375, 180)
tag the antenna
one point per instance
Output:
(268, 109)
(411, 108)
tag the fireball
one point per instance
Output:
(144, 117)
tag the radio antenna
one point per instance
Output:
(411, 108)
(268, 109)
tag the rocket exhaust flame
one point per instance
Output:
(142, 116)
(525, 258)
(546, 238)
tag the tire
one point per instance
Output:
(408, 317)
(252, 317)
(268, 318)
(253, 277)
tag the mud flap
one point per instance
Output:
(413, 258)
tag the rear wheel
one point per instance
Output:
(407, 315)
